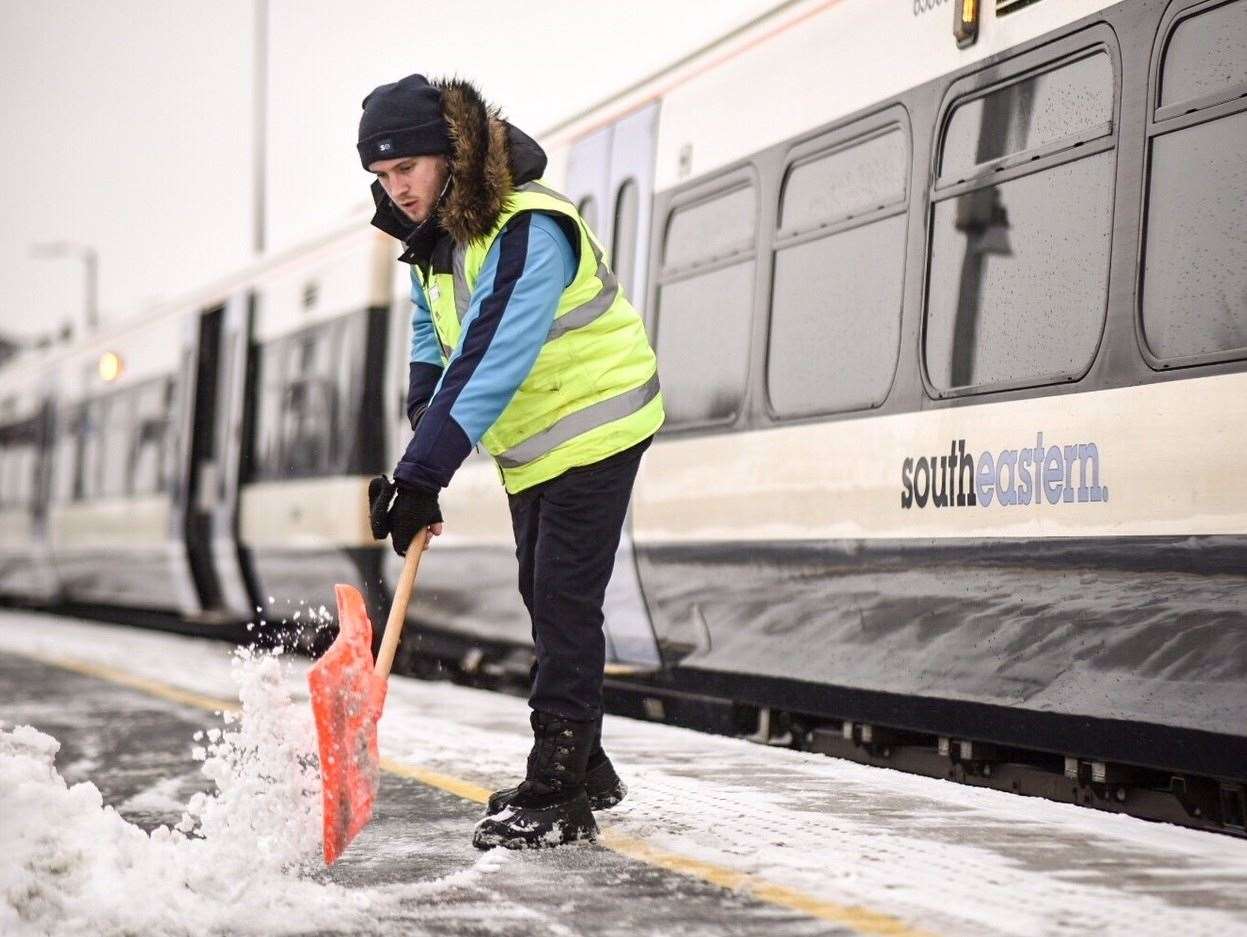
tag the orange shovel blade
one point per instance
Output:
(346, 703)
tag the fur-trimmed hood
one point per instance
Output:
(488, 159)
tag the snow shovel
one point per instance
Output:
(348, 692)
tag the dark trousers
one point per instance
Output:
(566, 534)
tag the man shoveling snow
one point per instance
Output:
(522, 340)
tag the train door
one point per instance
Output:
(588, 180)
(43, 579)
(610, 177)
(191, 514)
(630, 190)
(232, 441)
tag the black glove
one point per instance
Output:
(380, 494)
(413, 509)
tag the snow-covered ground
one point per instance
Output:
(873, 850)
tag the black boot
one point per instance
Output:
(550, 807)
(602, 785)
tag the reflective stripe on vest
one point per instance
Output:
(463, 295)
(572, 425)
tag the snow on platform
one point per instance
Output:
(716, 836)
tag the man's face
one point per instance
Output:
(413, 183)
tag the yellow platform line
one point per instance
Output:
(452, 785)
(861, 920)
(156, 688)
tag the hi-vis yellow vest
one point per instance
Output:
(593, 390)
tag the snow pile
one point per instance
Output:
(267, 777)
(237, 862)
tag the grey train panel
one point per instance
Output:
(1144, 629)
(302, 582)
(147, 578)
(473, 592)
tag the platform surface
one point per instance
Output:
(717, 836)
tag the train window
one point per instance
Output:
(703, 344)
(1019, 278)
(834, 333)
(310, 413)
(1194, 292)
(624, 237)
(705, 307)
(311, 389)
(712, 229)
(115, 447)
(1017, 285)
(151, 426)
(1206, 57)
(1039, 112)
(845, 184)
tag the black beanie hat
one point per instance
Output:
(403, 118)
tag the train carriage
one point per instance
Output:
(952, 340)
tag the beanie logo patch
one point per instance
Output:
(384, 146)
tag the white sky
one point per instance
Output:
(128, 123)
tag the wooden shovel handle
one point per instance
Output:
(398, 608)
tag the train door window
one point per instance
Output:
(6, 486)
(17, 466)
(151, 424)
(588, 209)
(1021, 221)
(21, 481)
(624, 237)
(272, 364)
(347, 384)
(1194, 291)
(11, 482)
(705, 304)
(90, 463)
(11, 485)
(116, 444)
(839, 263)
(65, 461)
(28, 481)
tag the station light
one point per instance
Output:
(111, 366)
(965, 22)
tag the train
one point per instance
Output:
(950, 307)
